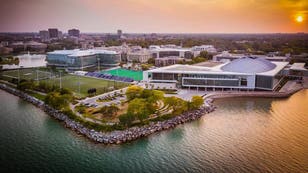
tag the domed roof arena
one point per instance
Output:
(246, 73)
(249, 65)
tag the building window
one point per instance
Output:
(243, 82)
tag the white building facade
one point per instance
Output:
(245, 73)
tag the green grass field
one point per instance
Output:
(136, 75)
(27, 74)
(72, 82)
(68, 81)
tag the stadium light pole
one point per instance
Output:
(36, 75)
(60, 80)
(79, 76)
(98, 64)
(18, 75)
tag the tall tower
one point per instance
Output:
(119, 33)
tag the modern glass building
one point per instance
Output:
(158, 52)
(244, 73)
(79, 59)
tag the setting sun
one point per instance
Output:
(299, 19)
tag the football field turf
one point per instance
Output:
(136, 75)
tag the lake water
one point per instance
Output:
(28, 61)
(242, 135)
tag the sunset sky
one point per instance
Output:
(159, 16)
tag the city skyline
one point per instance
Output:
(144, 16)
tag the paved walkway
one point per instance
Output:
(305, 82)
(186, 94)
(290, 85)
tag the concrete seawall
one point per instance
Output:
(114, 137)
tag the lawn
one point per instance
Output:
(72, 82)
(27, 74)
(136, 75)
(68, 81)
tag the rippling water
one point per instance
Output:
(243, 135)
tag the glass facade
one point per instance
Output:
(243, 82)
(109, 59)
(164, 76)
(64, 60)
(203, 79)
(188, 55)
(211, 82)
(154, 55)
(277, 78)
(57, 59)
(84, 61)
(168, 53)
(264, 82)
(220, 76)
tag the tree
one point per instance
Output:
(64, 91)
(133, 91)
(287, 51)
(178, 105)
(126, 119)
(153, 96)
(92, 91)
(151, 61)
(204, 54)
(25, 84)
(44, 87)
(138, 108)
(57, 100)
(196, 102)
(109, 110)
(145, 67)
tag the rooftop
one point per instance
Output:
(160, 49)
(208, 64)
(77, 52)
(249, 65)
(227, 54)
(245, 66)
(298, 66)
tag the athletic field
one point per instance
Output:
(28, 74)
(82, 84)
(136, 75)
(79, 85)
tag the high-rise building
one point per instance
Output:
(73, 33)
(44, 35)
(120, 33)
(53, 33)
(60, 34)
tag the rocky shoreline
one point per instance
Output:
(115, 137)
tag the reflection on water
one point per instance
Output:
(27, 61)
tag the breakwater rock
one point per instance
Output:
(114, 137)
